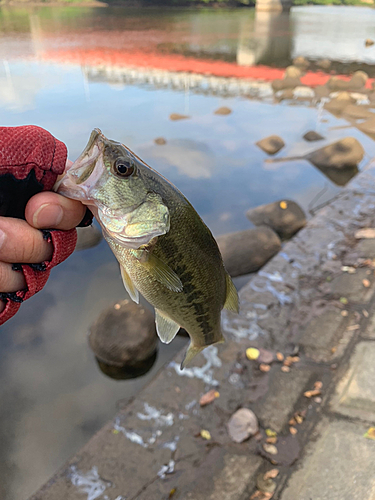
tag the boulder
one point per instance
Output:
(285, 94)
(336, 83)
(292, 72)
(271, 145)
(177, 116)
(285, 217)
(358, 80)
(124, 335)
(357, 112)
(311, 136)
(301, 62)
(323, 64)
(369, 42)
(223, 111)
(339, 103)
(321, 91)
(160, 141)
(286, 83)
(127, 372)
(88, 237)
(247, 251)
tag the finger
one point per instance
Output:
(49, 210)
(22, 243)
(10, 281)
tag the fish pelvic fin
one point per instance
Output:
(231, 300)
(129, 285)
(159, 270)
(190, 353)
(165, 326)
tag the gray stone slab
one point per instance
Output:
(355, 393)
(370, 330)
(338, 466)
(351, 286)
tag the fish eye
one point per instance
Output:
(123, 167)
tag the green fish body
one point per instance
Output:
(165, 250)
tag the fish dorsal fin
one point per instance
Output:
(165, 327)
(159, 270)
(129, 286)
(231, 301)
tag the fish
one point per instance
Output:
(165, 250)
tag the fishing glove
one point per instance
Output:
(30, 161)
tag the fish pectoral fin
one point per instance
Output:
(129, 286)
(231, 301)
(190, 353)
(161, 272)
(165, 326)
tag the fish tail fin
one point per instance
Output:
(190, 353)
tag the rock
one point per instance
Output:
(292, 72)
(160, 141)
(321, 91)
(338, 161)
(242, 425)
(335, 83)
(124, 335)
(301, 62)
(285, 94)
(88, 237)
(267, 485)
(223, 111)
(177, 116)
(284, 217)
(285, 83)
(323, 64)
(358, 80)
(271, 145)
(247, 251)
(357, 112)
(368, 127)
(127, 372)
(369, 42)
(311, 136)
(339, 103)
(303, 92)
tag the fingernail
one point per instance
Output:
(47, 216)
(2, 237)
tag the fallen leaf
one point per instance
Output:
(260, 495)
(344, 300)
(370, 434)
(280, 356)
(367, 232)
(366, 283)
(318, 400)
(205, 434)
(177, 116)
(252, 353)
(348, 269)
(285, 369)
(353, 327)
(299, 418)
(264, 368)
(172, 492)
(344, 313)
(311, 394)
(209, 397)
(288, 450)
(270, 448)
(270, 433)
(283, 205)
(266, 485)
(242, 425)
(293, 430)
(271, 474)
(292, 421)
(271, 440)
(318, 385)
(333, 350)
(295, 359)
(115, 431)
(365, 313)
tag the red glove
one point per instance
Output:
(30, 161)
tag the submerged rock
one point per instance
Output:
(271, 145)
(311, 136)
(285, 217)
(124, 335)
(88, 237)
(369, 42)
(323, 64)
(177, 116)
(223, 111)
(357, 111)
(160, 141)
(368, 127)
(247, 251)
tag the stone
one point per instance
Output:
(336, 83)
(88, 237)
(323, 64)
(271, 145)
(358, 80)
(357, 112)
(370, 330)
(351, 286)
(368, 126)
(247, 251)
(285, 217)
(242, 425)
(285, 94)
(177, 116)
(339, 103)
(124, 335)
(312, 136)
(355, 393)
(301, 62)
(160, 141)
(337, 465)
(369, 42)
(292, 72)
(321, 91)
(286, 83)
(223, 111)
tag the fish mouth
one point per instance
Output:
(83, 174)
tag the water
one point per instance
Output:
(72, 69)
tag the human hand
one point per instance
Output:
(20, 240)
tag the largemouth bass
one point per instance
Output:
(164, 249)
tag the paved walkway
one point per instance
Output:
(313, 308)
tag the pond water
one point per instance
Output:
(72, 69)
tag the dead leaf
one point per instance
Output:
(171, 493)
(270, 433)
(252, 353)
(299, 418)
(318, 400)
(177, 116)
(318, 385)
(353, 327)
(264, 368)
(344, 300)
(260, 495)
(370, 434)
(311, 394)
(270, 448)
(292, 421)
(348, 269)
(293, 430)
(366, 283)
(366, 232)
(266, 485)
(205, 434)
(285, 369)
(271, 440)
(271, 474)
(242, 425)
(344, 313)
(280, 356)
(209, 397)
(365, 313)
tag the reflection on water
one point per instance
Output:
(125, 71)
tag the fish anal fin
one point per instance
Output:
(231, 301)
(159, 270)
(129, 286)
(166, 328)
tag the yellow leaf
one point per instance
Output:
(252, 353)
(115, 431)
(205, 434)
(370, 434)
(283, 205)
(271, 433)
